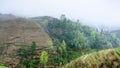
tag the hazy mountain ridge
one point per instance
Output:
(5, 17)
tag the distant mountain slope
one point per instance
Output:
(117, 32)
(103, 59)
(4, 17)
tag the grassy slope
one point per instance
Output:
(103, 59)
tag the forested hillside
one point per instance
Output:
(72, 39)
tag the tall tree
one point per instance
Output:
(63, 46)
(44, 58)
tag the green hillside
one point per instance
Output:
(47, 42)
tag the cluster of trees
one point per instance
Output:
(27, 57)
(80, 37)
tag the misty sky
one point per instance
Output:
(93, 12)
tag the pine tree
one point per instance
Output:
(63, 46)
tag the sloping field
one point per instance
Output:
(22, 31)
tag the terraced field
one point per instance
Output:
(103, 59)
